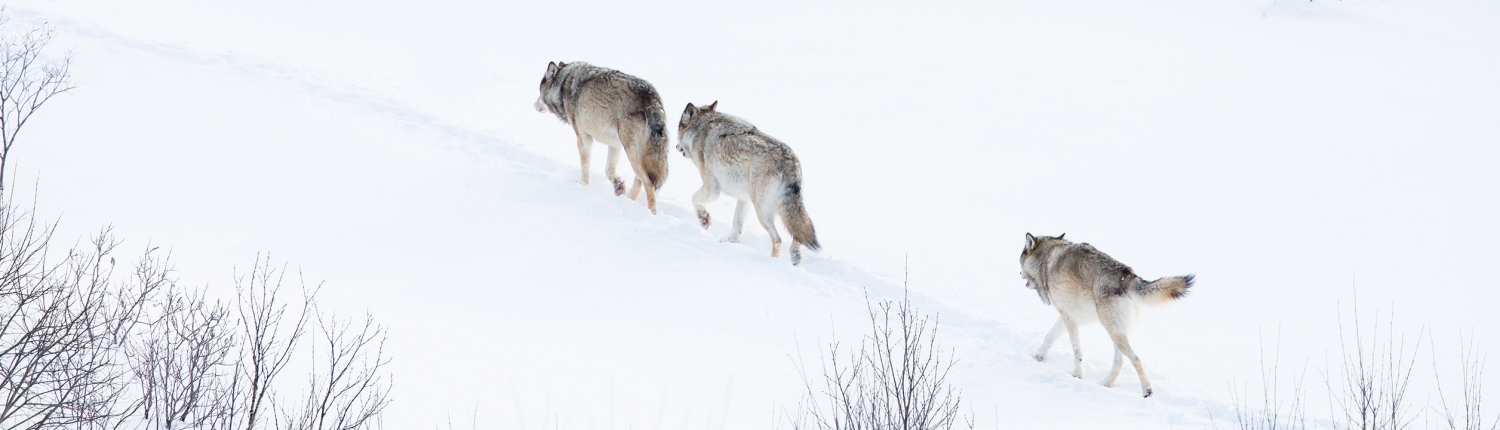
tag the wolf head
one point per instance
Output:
(1032, 258)
(551, 91)
(691, 116)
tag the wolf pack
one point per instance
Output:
(733, 157)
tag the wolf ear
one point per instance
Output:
(690, 111)
(1060, 236)
(1030, 241)
(712, 106)
(552, 68)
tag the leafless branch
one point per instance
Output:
(26, 81)
(348, 390)
(897, 380)
(1370, 391)
(63, 328)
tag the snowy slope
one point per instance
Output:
(1278, 150)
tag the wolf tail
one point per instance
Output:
(1164, 290)
(655, 158)
(795, 216)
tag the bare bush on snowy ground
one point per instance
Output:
(347, 389)
(182, 360)
(1464, 413)
(82, 349)
(1277, 410)
(269, 337)
(1370, 390)
(897, 380)
(63, 327)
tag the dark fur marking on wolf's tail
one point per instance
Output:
(1165, 289)
(795, 216)
(656, 143)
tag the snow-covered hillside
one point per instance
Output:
(1282, 151)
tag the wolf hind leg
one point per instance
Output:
(767, 216)
(610, 165)
(650, 195)
(650, 191)
(1057, 330)
(635, 189)
(1122, 346)
(740, 207)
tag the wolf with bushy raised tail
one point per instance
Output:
(737, 159)
(1086, 285)
(621, 111)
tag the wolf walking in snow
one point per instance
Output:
(1086, 285)
(737, 159)
(622, 111)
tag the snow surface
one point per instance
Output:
(1283, 151)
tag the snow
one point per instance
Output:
(1283, 151)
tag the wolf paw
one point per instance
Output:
(1148, 393)
(1039, 357)
(619, 186)
(796, 257)
(1076, 374)
(703, 219)
(730, 239)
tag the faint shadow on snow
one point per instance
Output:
(544, 181)
(317, 84)
(1308, 10)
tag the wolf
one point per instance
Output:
(622, 111)
(737, 159)
(1086, 285)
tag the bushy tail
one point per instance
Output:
(797, 222)
(1164, 290)
(656, 153)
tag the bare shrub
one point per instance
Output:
(1369, 393)
(1277, 410)
(182, 359)
(267, 341)
(63, 327)
(1464, 413)
(203, 365)
(897, 380)
(347, 389)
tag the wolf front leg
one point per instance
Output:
(1077, 346)
(740, 207)
(585, 144)
(1057, 329)
(609, 171)
(705, 195)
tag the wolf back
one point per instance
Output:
(622, 111)
(736, 158)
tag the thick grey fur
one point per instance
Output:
(736, 158)
(1086, 285)
(622, 111)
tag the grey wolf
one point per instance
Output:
(737, 159)
(622, 111)
(1086, 285)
